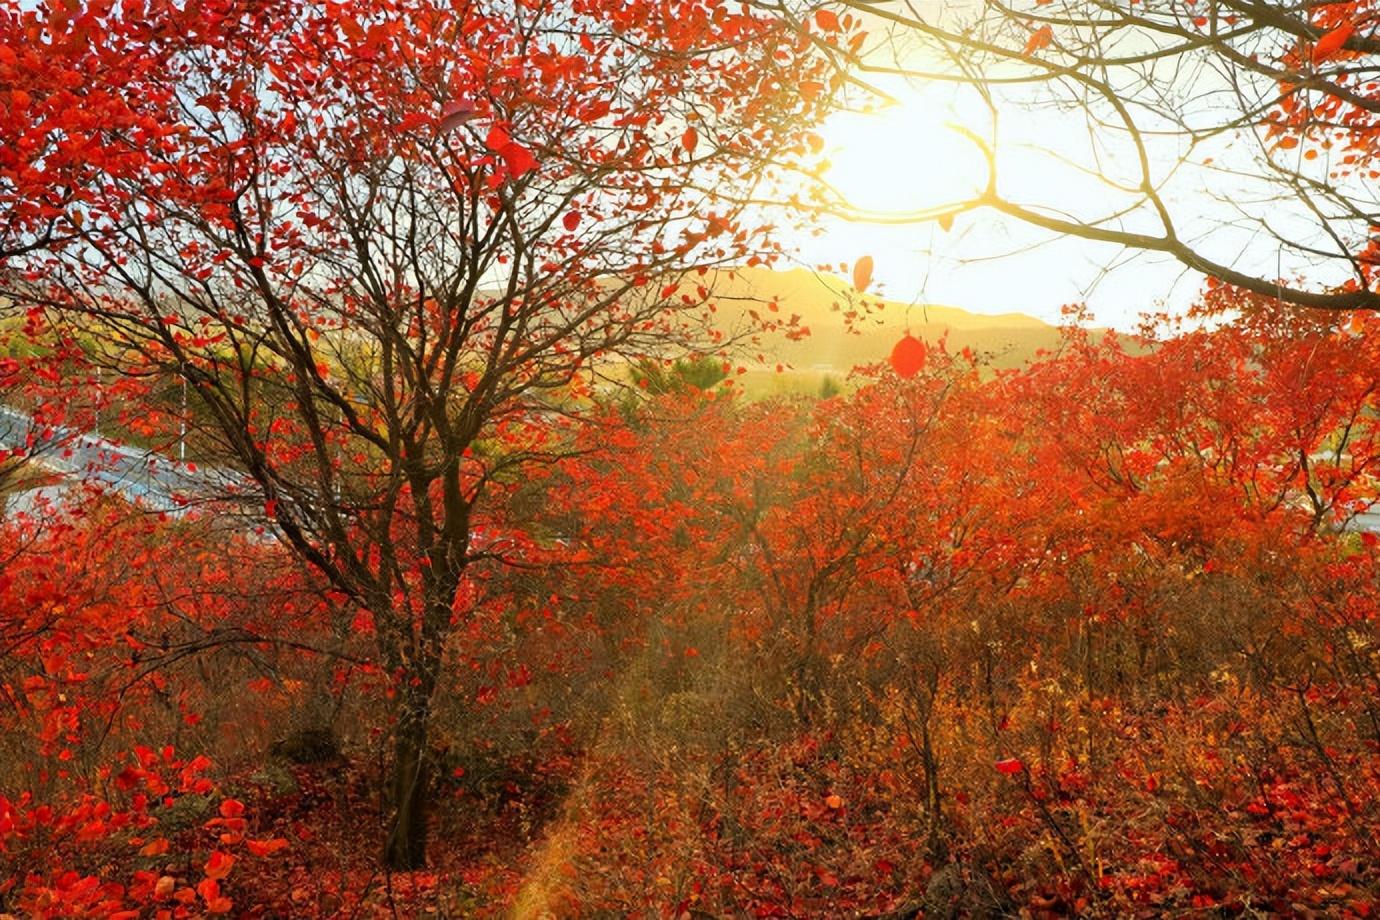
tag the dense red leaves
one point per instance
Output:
(1084, 636)
(1012, 618)
(83, 141)
(924, 537)
(406, 175)
(38, 841)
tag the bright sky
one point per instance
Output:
(908, 158)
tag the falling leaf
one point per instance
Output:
(908, 356)
(862, 273)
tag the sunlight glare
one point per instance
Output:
(904, 158)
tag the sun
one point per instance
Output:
(907, 157)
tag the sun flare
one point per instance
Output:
(911, 156)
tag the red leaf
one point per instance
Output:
(497, 139)
(156, 847)
(571, 220)
(516, 157)
(689, 139)
(1009, 767)
(352, 29)
(455, 115)
(908, 356)
(1332, 42)
(1040, 38)
(265, 847)
(827, 20)
(219, 865)
(519, 159)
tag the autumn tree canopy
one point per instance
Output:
(492, 592)
(386, 246)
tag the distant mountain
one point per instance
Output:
(822, 302)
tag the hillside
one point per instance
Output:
(1009, 339)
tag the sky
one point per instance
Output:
(908, 157)
(990, 264)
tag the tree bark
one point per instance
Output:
(411, 784)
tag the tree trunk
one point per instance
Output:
(419, 671)
(411, 784)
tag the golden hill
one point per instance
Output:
(835, 345)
